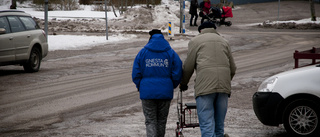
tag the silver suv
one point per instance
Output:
(21, 40)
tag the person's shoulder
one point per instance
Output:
(195, 40)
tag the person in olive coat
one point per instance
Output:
(210, 55)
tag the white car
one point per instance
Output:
(291, 98)
(21, 40)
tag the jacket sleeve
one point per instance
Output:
(189, 64)
(136, 71)
(176, 73)
(233, 66)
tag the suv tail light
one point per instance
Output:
(44, 34)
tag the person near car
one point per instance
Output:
(210, 55)
(194, 12)
(205, 9)
(157, 70)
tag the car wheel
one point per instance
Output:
(301, 118)
(33, 64)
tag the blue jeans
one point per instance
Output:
(212, 110)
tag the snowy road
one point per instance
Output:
(72, 87)
(89, 92)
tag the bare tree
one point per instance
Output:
(121, 7)
(313, 13)
(113, 8)
(147, 2)
(70, 4)
(13, 4)
(132, 3)
(153, 3)
(126, 5)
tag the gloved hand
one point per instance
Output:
(183, 87)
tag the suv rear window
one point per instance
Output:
(18, 23)
(15, 24)
(29, 23)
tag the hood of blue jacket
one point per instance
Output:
(157, 43)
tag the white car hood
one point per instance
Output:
(302, 80)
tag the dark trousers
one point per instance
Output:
(156, 114)
(195, 19)
(203, 18)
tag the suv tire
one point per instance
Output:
(301, 118)
(33, 64)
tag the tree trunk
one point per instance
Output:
(313, 13)
(114, 12)
(132, 3)
(126, 5)
(122, 6)
(13, 4)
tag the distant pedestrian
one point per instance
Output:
(156, 71)
(210, 55)
(194, 12)
(205, 8)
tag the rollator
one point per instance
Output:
(187, 115)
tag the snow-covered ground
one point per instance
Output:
(136, 19)
(81, 42)
(86, 14)
(241, 120)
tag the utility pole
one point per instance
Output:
(278, 12)
(46, 18)
(182, 16)
(106, 14)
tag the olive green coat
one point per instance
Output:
(210, 55)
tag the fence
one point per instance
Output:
(312, 54)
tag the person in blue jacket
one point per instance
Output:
(157, 70)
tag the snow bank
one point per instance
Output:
(292, 24)
(82, 42)
(137, 19)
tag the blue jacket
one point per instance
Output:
(157, 69)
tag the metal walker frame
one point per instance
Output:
(187, 115)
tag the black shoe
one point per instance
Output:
(191, 25)
(195, 25)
